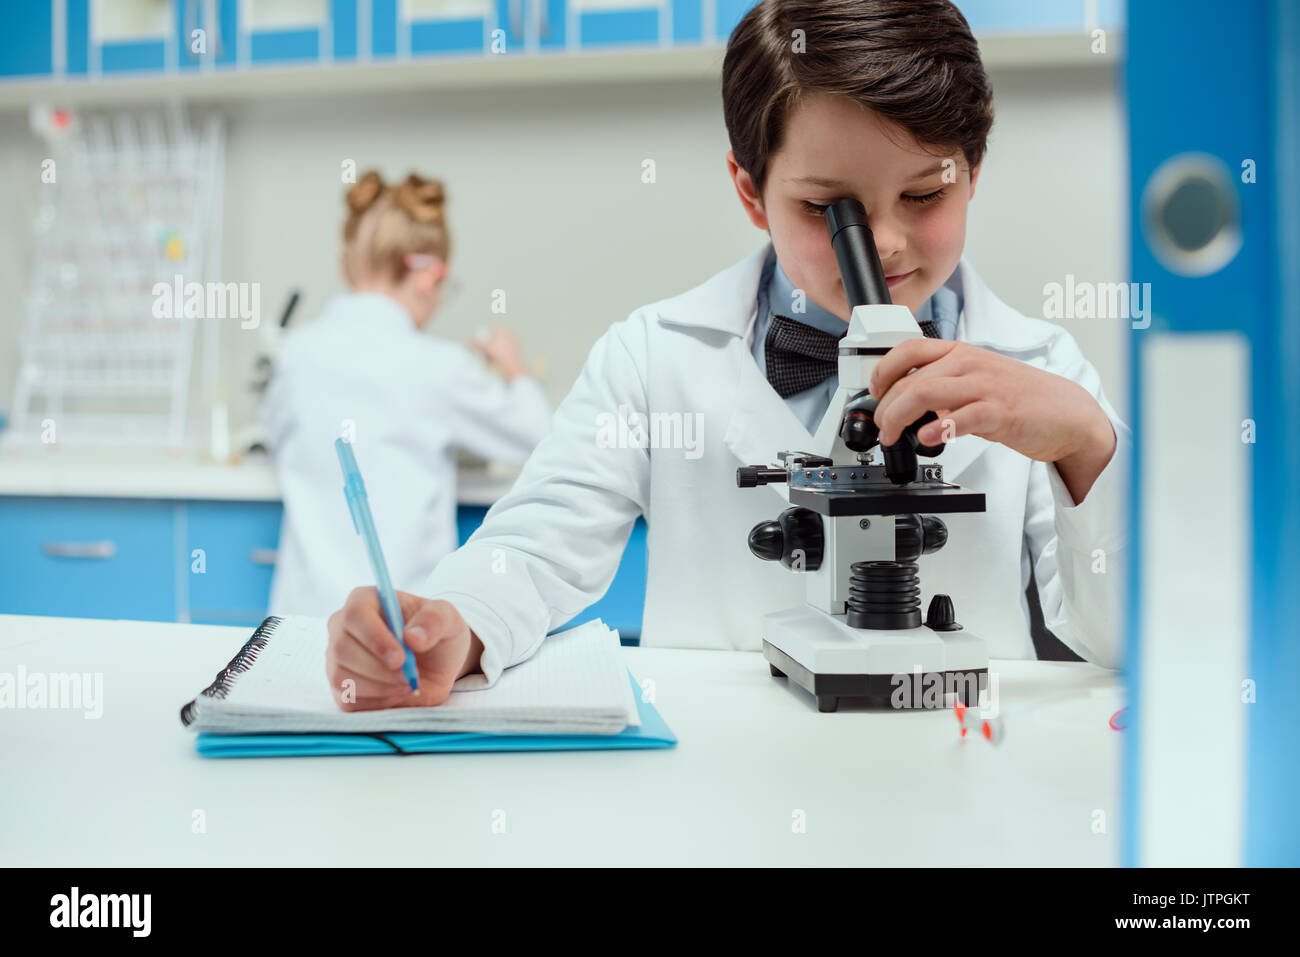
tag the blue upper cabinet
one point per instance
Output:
(129, 36)
(603, 23)
(1056, 16)
(26, 39)
(286, 31)
(726, 14)
(56, 38)
(433, 27)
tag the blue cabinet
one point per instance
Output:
(206, 562)
(230, 555)
(88, 558)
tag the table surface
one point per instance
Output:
(759, 776)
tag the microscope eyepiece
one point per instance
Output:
(855, 251)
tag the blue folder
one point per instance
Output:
(653, 733)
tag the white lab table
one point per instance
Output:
(754, 755)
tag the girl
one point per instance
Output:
(364, 371)
(887, 102)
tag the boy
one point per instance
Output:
(885, 101)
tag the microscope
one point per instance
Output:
(858, 523)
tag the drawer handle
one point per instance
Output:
(262, 556)
(80, 549)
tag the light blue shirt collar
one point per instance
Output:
(787, 301)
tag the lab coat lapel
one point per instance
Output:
(760, 424)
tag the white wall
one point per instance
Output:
(546, 202)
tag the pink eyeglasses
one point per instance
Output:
(451, 286)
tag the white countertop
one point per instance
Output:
(159, 475)
(876, 787)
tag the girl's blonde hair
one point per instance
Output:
(386, 222)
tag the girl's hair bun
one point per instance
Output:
(363, 195)
(421, 199)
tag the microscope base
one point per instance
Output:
(911, 668)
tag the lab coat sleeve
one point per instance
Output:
(1079, 552)
(502, 422)
(550, 547)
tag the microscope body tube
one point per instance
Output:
(855, 252)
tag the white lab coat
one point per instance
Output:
(407, 401)
(551, 546)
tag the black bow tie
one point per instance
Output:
(800, 357)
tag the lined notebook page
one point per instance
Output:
(576, 683)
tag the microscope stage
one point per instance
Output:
(901, 500)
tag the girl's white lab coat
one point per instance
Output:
(551, 546)
(407, 401)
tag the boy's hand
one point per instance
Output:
(1040, 414)
(364, 661)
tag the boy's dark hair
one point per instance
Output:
(913, 62)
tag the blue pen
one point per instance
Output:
(355, 491)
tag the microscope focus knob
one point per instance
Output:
(767, 541)
(795, 539)
(940, 616)
(858, 424)
(917, 535)
(935, 533)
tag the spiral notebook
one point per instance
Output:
(273, 698)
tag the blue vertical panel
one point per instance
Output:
(512, 27)
(383, 27)
(1273, 757)
(228, 18)
(26, 40)
(78, 38)
(343, 21)
(688, 21)
(185, 60)
(552, 23)
(1176, 108)
(627, 27)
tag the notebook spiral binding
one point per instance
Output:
(242, 661)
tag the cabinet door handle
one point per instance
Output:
(262, 556)
(79, 549)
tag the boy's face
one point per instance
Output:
(834, 148)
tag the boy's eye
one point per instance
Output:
(923, 200)
(818, 209)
